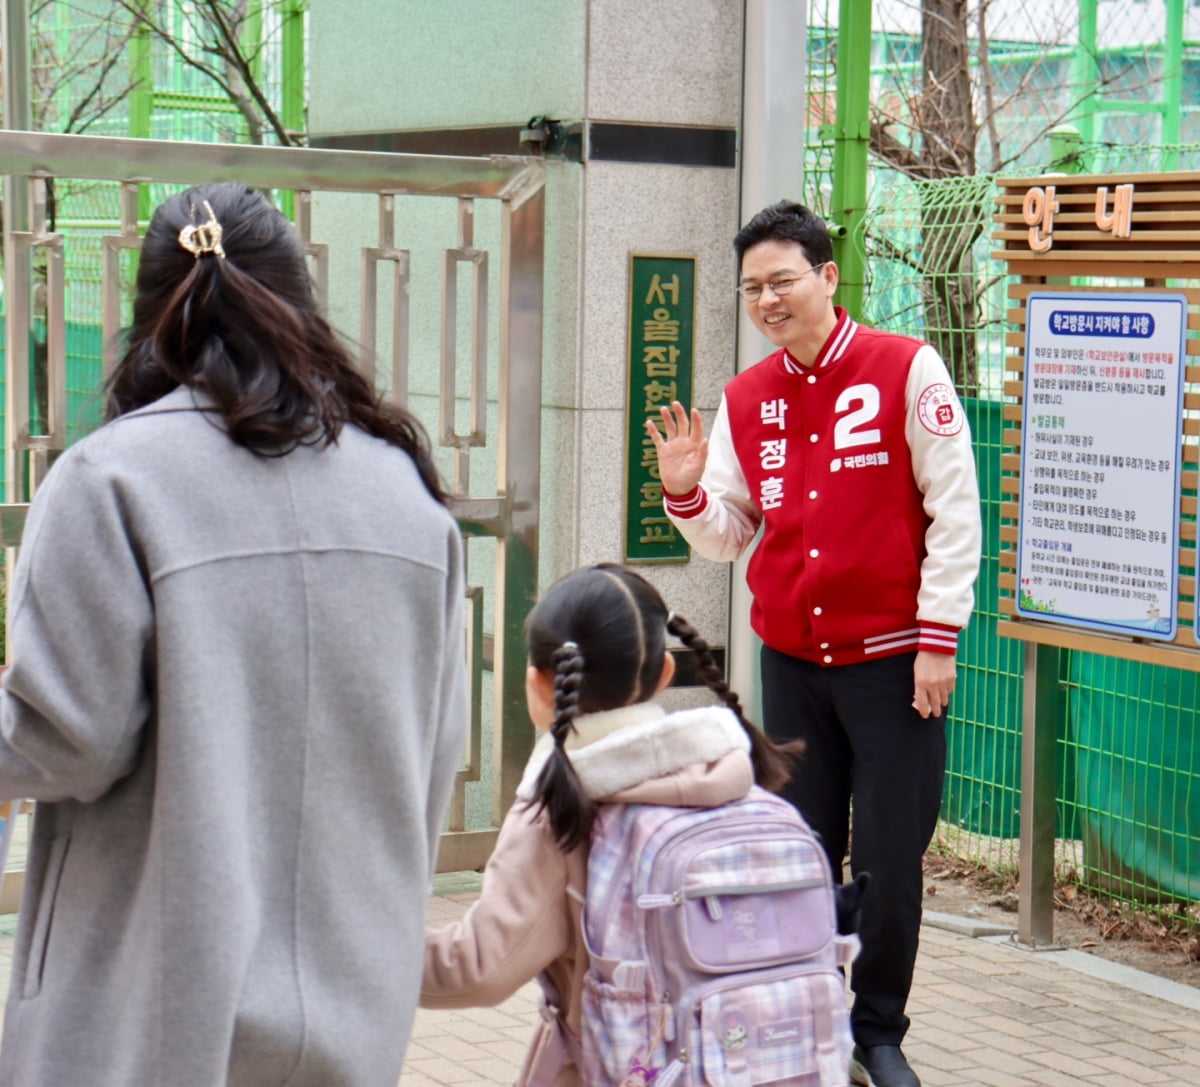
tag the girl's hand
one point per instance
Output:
(682, 454)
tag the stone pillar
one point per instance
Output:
(645, 101)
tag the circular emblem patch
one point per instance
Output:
(939, 412)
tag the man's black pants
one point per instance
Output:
(866, 745)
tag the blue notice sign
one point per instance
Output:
(1098, 532)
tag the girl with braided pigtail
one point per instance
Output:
(597, 646)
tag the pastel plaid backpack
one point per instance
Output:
(714, 952)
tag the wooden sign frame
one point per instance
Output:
(1078, 233)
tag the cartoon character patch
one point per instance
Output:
(734, 1038)
(734, 1032)
(639, 1075)
(939, 410)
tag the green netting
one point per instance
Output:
(83, 78)
(1133, 731)
(982, 794)
(983, 781)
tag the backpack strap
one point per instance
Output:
(561, 1046)
(827, 1055)
(831, 1063)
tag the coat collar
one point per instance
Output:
(619, 749)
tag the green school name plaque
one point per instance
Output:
(662, 313)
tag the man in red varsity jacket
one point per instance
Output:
(848, 448)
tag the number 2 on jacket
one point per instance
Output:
(847, 431)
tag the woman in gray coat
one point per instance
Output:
(236, 692)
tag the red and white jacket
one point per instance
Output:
(861, 474)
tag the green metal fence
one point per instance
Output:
(1128, 738)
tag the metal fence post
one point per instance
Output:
(1042, 707)
(852, 141)
(1173, 87)
(18, 263)
(1085, 72)
(1066, 150)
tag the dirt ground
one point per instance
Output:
(1140, 940)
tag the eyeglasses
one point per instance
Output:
(752, 292)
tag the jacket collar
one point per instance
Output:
(180, 398)
(833, 348)
(619, 749)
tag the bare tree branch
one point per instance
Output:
(87, 61)
(989, 84)
(232, 52)
(234, 76)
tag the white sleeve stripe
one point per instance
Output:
(880, 646)
(893, 634)
(691, 505)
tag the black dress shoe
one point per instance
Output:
(881, 1066)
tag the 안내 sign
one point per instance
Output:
(1098, 535)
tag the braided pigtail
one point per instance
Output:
(558, 790)
(772, 762)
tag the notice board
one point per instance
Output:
(1102, 414)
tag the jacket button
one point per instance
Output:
(813, 553)
(812, 379)
(812, 494)
(817, 610)
(828, 659)
(814, 437)
(824, 645)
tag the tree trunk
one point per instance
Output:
(951, 214)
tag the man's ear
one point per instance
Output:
(831, 274)
(668, 672)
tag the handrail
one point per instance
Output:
(110, 158)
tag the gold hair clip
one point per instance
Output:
(203, 238)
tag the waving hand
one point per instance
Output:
(682, 453)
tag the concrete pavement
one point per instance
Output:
(984, 1012)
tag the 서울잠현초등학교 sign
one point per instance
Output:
(662, 308)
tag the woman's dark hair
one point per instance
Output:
(787, 221)
(228, 307)
(602, 631)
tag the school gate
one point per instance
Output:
(450, 247)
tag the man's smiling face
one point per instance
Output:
(801, 319)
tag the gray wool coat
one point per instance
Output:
(237, 693)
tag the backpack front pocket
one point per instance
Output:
(756, 904)
(791, 1029)
(739, 929)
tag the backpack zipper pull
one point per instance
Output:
(670, 1074)
(657, 902)
(669, 1018)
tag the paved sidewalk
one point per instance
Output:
(984, 1012)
